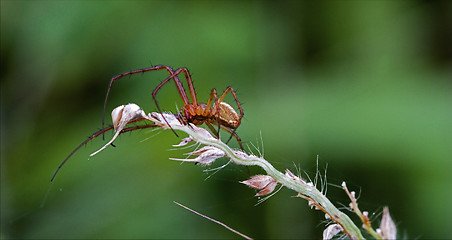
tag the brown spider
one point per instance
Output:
(215, 111)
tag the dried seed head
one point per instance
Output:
(265, 183)
(184, 141)
(206, 155)
(242, 155)
(116, 116)
(165, 119)
(387, 225)
(203, 133)
(295, 178)
(290, 174)
(331, 231)
(121, 116)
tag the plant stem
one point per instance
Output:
(240, 158)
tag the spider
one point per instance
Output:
(215, 111)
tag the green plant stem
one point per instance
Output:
(337, 216)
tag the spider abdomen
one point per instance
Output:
(229, 115)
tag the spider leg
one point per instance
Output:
(216, 108)
(158, 67)
(180, 88)
(233, 134)
(230, 137)
(212, 97)
(191, 87)
(96, 134)
(239, 141)
(214, 131)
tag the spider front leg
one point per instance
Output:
(100, 132)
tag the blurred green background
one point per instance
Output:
(366, 86)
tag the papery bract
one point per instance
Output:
(206, 155)
(265, 183)
(387, 226)
(184, 141)
(331, 231)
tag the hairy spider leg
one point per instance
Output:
(213, 96)
(239, 141)
(180, 88)
(158, 67)
(232, 132)
(96, 134)
(191, 87)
